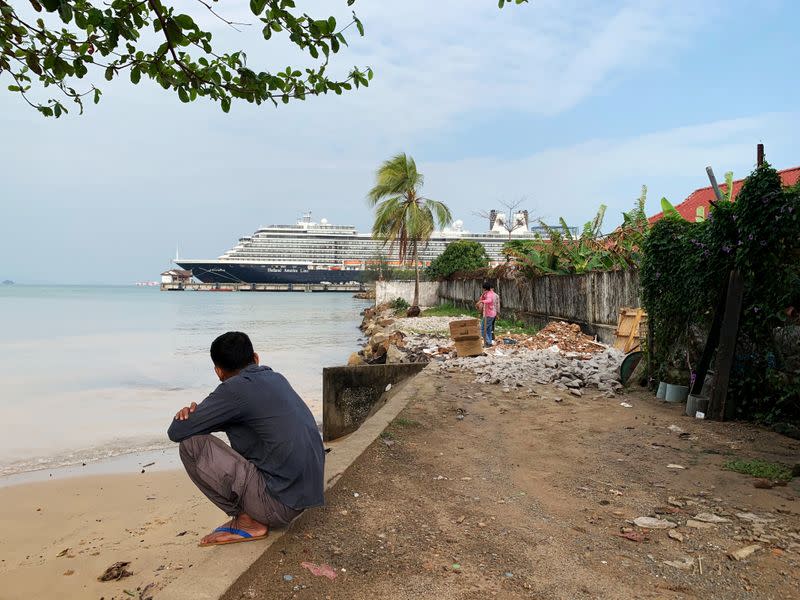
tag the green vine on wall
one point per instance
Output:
(685, 270)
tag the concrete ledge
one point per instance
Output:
(351, 394)
(211, 578)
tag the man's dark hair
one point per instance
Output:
(232, 351)
(487, 285)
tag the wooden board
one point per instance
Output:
(631, 323)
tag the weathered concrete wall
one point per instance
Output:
(351, 394)
(590, 299)
(386, 291)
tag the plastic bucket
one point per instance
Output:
(662, 390)
(695, 404)
(676, 393)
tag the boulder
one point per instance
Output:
(355, 360)
(394, 355)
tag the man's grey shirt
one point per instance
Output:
(270, 425)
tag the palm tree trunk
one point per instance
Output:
(416, 276)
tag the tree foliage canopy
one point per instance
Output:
(59, 43)
(459, 257)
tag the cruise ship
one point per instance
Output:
(310, 252)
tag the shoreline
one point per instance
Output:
(63, 526)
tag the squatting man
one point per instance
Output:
(273, 469)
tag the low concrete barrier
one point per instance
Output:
(386, 291)
(351, 394)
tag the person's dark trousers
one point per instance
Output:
(232, 482)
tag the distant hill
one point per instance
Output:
(8, 282)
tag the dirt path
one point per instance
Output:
(476, 493)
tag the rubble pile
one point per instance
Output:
(567, 337)
(559, 354)
(567, 371)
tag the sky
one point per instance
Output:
(566, 104)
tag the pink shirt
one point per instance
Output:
(488, 302)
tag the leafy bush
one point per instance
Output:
(563, 252)
(459, 256)
(685, 273)
(399, 304)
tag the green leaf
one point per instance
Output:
(110, 73)
(225, 102)
(51, 5)
(184, 22)
(65, 12)
(183, 94)
(257, 7)
(14, 88)
(136, 75)
(97, 94)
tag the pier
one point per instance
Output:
(263, 287)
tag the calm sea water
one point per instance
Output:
(89, 372)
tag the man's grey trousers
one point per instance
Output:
(231, 481)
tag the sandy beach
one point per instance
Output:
(57, 537)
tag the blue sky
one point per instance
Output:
(568, 104)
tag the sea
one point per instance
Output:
(95, 372)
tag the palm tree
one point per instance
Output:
(402, 216)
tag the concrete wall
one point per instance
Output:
(351, 394)
(386, 291)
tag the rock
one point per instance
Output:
(684, 564)
(574, 383)
(674, 466)
(651, 523)
(743, 553)
(675, 502)
(764, 484)
(577, 393)
(355, 360)
(698, 524)
(675, 535)
(753, 518)
(711, 518)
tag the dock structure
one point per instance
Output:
(262, 287)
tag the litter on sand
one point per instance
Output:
(319, 570)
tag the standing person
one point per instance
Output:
(273, 469)
(486, 305)
(496, 307)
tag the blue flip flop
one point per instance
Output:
(243, 536)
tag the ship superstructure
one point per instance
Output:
(310, 252)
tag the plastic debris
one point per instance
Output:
(288, 577)
(626, 404)
(320, 570)
(674, 466)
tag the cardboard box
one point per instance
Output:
(465, 327)
(469, 347)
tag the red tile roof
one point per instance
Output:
(704, 196)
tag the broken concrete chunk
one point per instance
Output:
(651, 523)
(685, 563)
(711, 518)
(675, 535)
(743, 553)
(699, 524)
